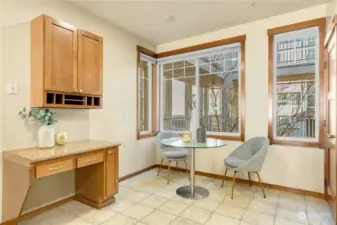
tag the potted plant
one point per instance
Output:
(46, 133)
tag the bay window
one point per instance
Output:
(209, 80)
(147, 92)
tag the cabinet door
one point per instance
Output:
(60, 56)
(90, 63)
(112, 172)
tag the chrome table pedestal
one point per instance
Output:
(191, 191)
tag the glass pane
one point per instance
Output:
(144, 95)
(178, 94)
(219, 93)
(295, 87)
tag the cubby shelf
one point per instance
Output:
(64, 100)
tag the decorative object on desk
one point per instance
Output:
(46, 132)
(186, 137)
(60, 138)
(201, 133)
(194, 120)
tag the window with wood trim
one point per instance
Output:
(146, 94)
(208, 80)
(296, 84)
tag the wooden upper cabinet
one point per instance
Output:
(66, 65)
(60, 56)
(89, 63)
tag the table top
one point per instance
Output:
(33, 155)
(178, 143)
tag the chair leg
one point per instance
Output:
(169, 171)
(177, 167)
(233, 185)
(224, 177)
(264, 194)
(188, 173)
(250, 181)
(161, 163)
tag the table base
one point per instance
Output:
(199, 192)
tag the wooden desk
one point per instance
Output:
(96, 173)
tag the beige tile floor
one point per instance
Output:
(147, 200)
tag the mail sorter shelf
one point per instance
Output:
(64, 100)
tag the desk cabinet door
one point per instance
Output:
(112, 172)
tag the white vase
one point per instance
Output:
(194, 125)
(46, 136)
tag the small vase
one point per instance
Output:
(60, 138)
(193, 125)
(201, 135)
(46, 136)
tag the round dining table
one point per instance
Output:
(192, 191)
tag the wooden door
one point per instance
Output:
(60, 56)
(330, 129)
(111, 172)
(90, 63)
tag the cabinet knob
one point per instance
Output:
(81, 91)
(109, 152)
(75, 90)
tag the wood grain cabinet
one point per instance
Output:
(112, 172)
(66, 65)
(95, 164)
(89, 63)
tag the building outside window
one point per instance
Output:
(296, 85)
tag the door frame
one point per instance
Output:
(333, 31)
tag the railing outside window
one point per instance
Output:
(296, 52)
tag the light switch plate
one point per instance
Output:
(12, 88)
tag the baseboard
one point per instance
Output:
(46, 208)
(38, 211)
(68, 199)
(239, 180)
(211, 175)
(10, 222)
(137, 173)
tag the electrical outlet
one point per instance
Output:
(12, 88)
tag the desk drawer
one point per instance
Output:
(52, 168)
(90, 159)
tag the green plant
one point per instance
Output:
(44, 116)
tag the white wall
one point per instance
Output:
(295, 167)
(115, 122)
(331, 10)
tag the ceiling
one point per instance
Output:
(162, 21)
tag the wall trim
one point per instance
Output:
(266, 185)
(137, 172)
(198, 47)
(35, 212)
(211, 175)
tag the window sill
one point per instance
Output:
(295, 143)
(227, 138)
(147, 135)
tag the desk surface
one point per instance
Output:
(28, 156)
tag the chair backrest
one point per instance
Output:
(254, 150)
(164, 135)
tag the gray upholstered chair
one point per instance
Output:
(169, 153)
(248, 157)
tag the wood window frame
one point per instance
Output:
(237, 39)
(321, 24)
(154, 100)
